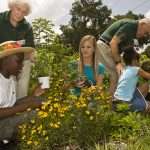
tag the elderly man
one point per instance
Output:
(120, 34)
(14, 27)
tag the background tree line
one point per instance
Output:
(87, 17)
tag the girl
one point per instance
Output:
(87, 65)
(127, 90)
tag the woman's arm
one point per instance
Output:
(68, 85)
(99, 80)
(100, 74)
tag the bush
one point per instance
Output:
(67, 121)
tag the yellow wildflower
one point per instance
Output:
(29, 142)
(91, 117)
(46, 138)
(36, 143)
(87, 112)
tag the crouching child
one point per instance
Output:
(11, 62)
(128, 91)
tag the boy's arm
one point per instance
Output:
(21, 107)
(144, 74)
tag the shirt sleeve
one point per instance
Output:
(101, 69)
(136, 70)
(124, 32)
(29, 37)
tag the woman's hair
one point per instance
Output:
(129, 55)
(12, 3)
(82, 41)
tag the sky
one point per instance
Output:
(58, 10)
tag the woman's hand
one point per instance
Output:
(80, 83)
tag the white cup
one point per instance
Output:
(44, 81)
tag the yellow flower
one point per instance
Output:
(91, 117)
(44, 106)
(51, 124)
(46, 138)
(58, 122)
(36, 143)
(50, 97)
(97, 113)
(87, 112)
(72, 115)
(29, 109)
(37, 109)
(56, 125)
(23, 137)
(32, 121)
(74, 127)
(56, 105)
(29, 142)
(33, 131)
(40, 128)
(44, 132)
(42, 114)
(62, 115)
(50, 109)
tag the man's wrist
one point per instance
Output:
(117, 62)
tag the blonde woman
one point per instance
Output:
(87, 65)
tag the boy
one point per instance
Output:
(11, 63)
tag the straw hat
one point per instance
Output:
(13, 47)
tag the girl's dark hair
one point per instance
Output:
(129, 55)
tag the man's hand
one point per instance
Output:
(119, 68)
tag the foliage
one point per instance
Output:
(130, 15)
(67, 121)
(87, 17)
(43, 31)
(90, 17)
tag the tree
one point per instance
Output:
(88, 17)
(43, 32)
(130, 15)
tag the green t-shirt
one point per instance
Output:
(23, 31)
(125, 29)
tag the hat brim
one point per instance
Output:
(9, 52)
